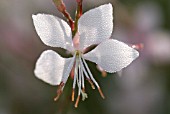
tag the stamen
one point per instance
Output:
(91, 83)
(91, 76)
(82, 77)
(72, 97)
(77, 101)
(81, 82)
(76, 75)
(83, 69)
(78, 83)
(59, 91)
(101, 93)
(83, 90)
(74, 82)
(104, 74)
(58, 95)
(75, 70)
(87, 77)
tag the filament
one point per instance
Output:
(91, 76)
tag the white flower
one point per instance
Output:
(94, 27)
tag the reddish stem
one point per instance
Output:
(62, 8)
(79, 7)
(78, 15)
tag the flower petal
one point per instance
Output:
(52, 68)
(112, 55)
(95, 25)
(53, 31)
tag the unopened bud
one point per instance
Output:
(79, 1)
(60, 5)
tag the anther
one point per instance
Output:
(101, 93)
(91, 83)
(83, 89)
(77, 101)
(59, 91)
(73, 93)
(104, 74)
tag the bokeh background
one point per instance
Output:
(141, 88)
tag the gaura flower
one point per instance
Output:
(94, 27)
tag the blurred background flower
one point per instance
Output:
(143, 88)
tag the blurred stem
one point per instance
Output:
(61, 7)
(78, 15)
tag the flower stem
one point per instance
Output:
(78, 15)
(79, 9)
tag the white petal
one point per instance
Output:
(52, 68)
(95, 25)
(112, 55)
(53, 31)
